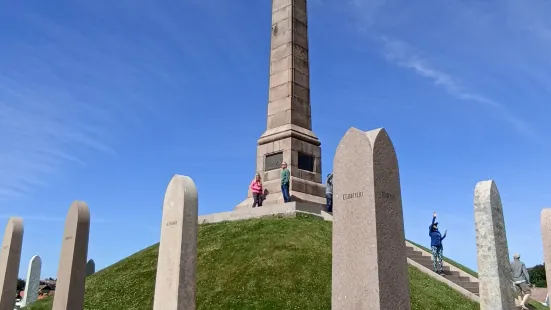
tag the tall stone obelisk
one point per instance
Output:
(288, 136)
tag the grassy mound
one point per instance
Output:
(270, 263)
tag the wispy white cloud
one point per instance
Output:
(405, 56)
(493, 54)
(73, 94)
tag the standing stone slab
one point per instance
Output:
(10, 257)
(175, 285)
(33, 281)
(494, 275)
(369, 253)
(90, 267)
(546, 241)
(71, 274)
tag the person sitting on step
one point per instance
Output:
(256, 188)
(436, 245)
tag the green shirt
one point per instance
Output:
(285, 174)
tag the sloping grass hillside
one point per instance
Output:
(269, 263)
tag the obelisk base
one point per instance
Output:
(277, 198)
(300, 149)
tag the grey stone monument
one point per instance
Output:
(494, 275)
(33, 281)
(10, 256)
(71, 274)
(175, 284)
(289, 135)
(369, 255)
(546, 242)
(90, 267)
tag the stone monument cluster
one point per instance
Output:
(73, 267)
(369, 268)
(369, 265)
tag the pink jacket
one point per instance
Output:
(256, 187)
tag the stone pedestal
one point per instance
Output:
(32, 284)
(176, 280)
(369, 268)
(71, 275)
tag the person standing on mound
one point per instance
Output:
(521, 278)
(329, 192)
(285, 178)
(436, 245)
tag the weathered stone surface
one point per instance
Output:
(369, 255)
(71, 274)
(10, 256)
(33, 281)
(494, 274)
(546, 242)
(90, 267)
(175, 284)
(289, 110)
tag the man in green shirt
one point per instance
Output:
(285, 177)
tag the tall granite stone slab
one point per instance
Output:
(494, 275)
(71, 274)
(175, 283)
(546, 242)
(90, 267)
(369, 255)
(289, 137)
(10, 256)
(32, 283)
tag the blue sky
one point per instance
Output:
(103, 101)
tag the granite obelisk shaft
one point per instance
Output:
(288, 136)
(175, 283)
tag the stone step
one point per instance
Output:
(452, 276)
(429, 265)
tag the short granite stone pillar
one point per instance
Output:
(369, 255)
(90, 267)
(10, 256)
(546, 242)
(175, 284)
(32, 283)
(71, 275)
(494, 267)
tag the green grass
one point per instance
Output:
(269, 263)
(532, 303)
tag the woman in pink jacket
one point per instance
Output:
(256, 187)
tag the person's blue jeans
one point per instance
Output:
(285, 192)
(329, 198)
